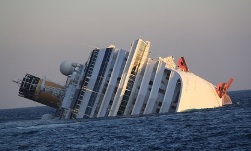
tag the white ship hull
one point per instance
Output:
(116, 82)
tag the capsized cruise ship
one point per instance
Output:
(116, 82)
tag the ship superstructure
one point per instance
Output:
(115, 82)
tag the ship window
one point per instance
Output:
(144, 105)
(125, 97)
(127, 93)
(176, 96)
(110, 103)
(161, 91)
(129, 85)
(168, 74)
(81, 97)
(78, 106)
(88, 110)
(86, 83)
(91, 102)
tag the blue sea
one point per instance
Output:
(224, 128)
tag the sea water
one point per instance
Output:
(224, 128)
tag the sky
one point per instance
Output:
(36, 36)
